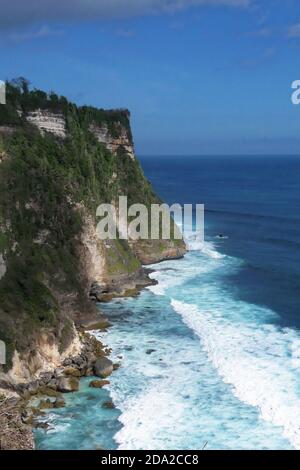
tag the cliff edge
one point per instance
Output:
(58, 162)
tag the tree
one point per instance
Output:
(22, 84)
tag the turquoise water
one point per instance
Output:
(212, 353)
(75, 425)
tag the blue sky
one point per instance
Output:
(199, 76)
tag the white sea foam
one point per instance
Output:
(194, 242)
(174, 273)
(144, 415)
(171, 398)
(209, 250)
(261, 362)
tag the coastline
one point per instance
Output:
(50, 387)
(22, 405)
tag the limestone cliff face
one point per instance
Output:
(55, 123)
(44, 355)
(104, 136)
(48, 121)
(154, 251)
(57, 165)
(111, 269)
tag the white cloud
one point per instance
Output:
(294, 31)
(42, 32)
(20, 12)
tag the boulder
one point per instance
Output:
(98, 383)
(67, 384)
(103, 367)
(72, 371)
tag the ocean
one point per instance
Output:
(210, 356)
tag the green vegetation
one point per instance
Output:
(46, 184)
(120, 259)
(21, 100)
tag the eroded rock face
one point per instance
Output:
(104, 136)
(155, 251)
(93, 253)
(48, 121)
(44, 356)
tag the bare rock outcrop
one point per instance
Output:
(104, 136)
(48, 121)
(43, 356)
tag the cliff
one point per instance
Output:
(58, 163)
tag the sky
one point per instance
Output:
(200, 77)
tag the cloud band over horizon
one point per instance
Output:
(18, 13)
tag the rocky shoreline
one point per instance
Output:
(62, 163)
(18, 416)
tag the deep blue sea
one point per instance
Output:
(211, 355)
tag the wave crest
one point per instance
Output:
(259, 361)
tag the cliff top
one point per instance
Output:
(22, 100)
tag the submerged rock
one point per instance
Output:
(109, 405)
(98, 383)
(103, 367)
(150, 351)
